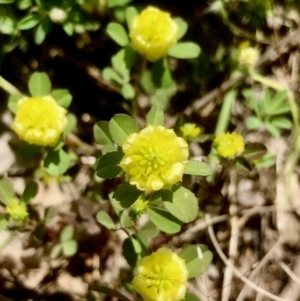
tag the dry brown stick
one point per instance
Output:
(258, 270)
(235, 270)
(233, 242)
(291, 291)
(289, 272)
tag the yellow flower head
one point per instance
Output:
(190, 130)
(162, 276)
(247, 55)
(139, 206)
(17, 211)
(229, 145)
(155, 158)
(40, 120)
(152, 33)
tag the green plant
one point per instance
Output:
(67, 246)
(270, 111)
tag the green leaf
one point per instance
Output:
(181, 203)
(130, 12)
(112, 75)
(3, 223)
(39, 84)
(30, 192)
(164, 220)
(198, 168)
(105, 220)
(146, 82)
(254, 151)
(28, 151)
(147, 232)
(7, 192)
(183, 27)
(56, 251)
(128, 91)
(68, 28)
(242, 164)
(13, 101)
(114, 3)
(72, 123)
(109, 147)
(101, 133)
(155, 116)
(117, 32)
(57, 162)
(254, 123)
(7, 25)
(265, 101)
(126, 194)
(29, 21)
(115, 204)
(42, 30)
(24, 4)
(282, 122)
(132, 249)
(50, 213)
(62, 97)
(70, 247)
(107, 165)
(161, 74)
(267, 161)
(123, 61)
(6, 1)
(197, 259)
(121, 126)
(162, 96)
(185, 50)
(277, 104)
(272, 129)
(190, 297)
(67, 233)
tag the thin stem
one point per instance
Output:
(8, 87)
(111, 292)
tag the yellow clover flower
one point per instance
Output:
(40, 120)
(155, 158)
(229, 145)
(190, 130)
(17, 211)
(247, 55)
(152, 33)
(162, 276)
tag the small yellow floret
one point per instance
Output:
(17, 211)
(247, 55)
(155, 158)
(229, 145)
(40, 120)
(152, 33)
(161, 276)
(190, 130)
(139, 206)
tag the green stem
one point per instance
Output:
(8, 87)
(225, 113)
(222, 126)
